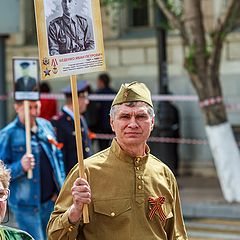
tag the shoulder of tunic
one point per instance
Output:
(57, 117)
(57, 20)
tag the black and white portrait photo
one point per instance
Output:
(25, 76)
(69, 26)
(70, 38)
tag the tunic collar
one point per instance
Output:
(124, 156)
(69, 20)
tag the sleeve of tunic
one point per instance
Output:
(176, 228)
(59, 226)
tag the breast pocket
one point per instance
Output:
(165, 213)
(167, 209)
(18, 151)
(112, 208)
(114, 213)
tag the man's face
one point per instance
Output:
(68, 6)
(132, 125)
(83, 101)
(34, 111)
(25, 71)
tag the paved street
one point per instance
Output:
(214, 229)
(202, 198)
(207, 215)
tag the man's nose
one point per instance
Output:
(33, 112)
(133, 122)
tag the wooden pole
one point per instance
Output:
(28, 134)
(78, 136)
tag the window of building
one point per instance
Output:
(29, 23)
(140, 13)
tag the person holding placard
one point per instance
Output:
(129, 192)
(31, 200)
(69, 33)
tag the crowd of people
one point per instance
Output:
(130, 193)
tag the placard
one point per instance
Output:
(26, 78)
(70, 37)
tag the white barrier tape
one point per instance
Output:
(55, 96)
(210, 101)
(3, 97)
(160, 139)
(108, 97)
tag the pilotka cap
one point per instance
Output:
(131, 92)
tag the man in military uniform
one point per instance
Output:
(69, 33)
(130, 193)
(26, 82)
(64, 126)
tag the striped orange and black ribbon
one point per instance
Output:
(157, 207)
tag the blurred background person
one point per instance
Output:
(167, 126)
(8, 233)
(32, 200)
(65, 129)
(48, 105)
(103, 109)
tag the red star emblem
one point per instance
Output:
(47, 72)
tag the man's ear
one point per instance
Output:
(112, 124)
(153, 120)
(16, 107)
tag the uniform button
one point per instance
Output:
(87, 149)
(34, 180)
(113, 214)
(138, 160)
(35, 196)
(138, 168)
(139, 187)
(21, 148)
(69, 118)
(139, 177)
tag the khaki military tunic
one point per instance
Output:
(121, 186)
(68, 35)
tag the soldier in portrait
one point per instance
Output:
(69, 33)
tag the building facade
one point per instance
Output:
(131, 51)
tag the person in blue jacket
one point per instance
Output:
(31, 200)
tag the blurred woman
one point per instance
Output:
(7, 233)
